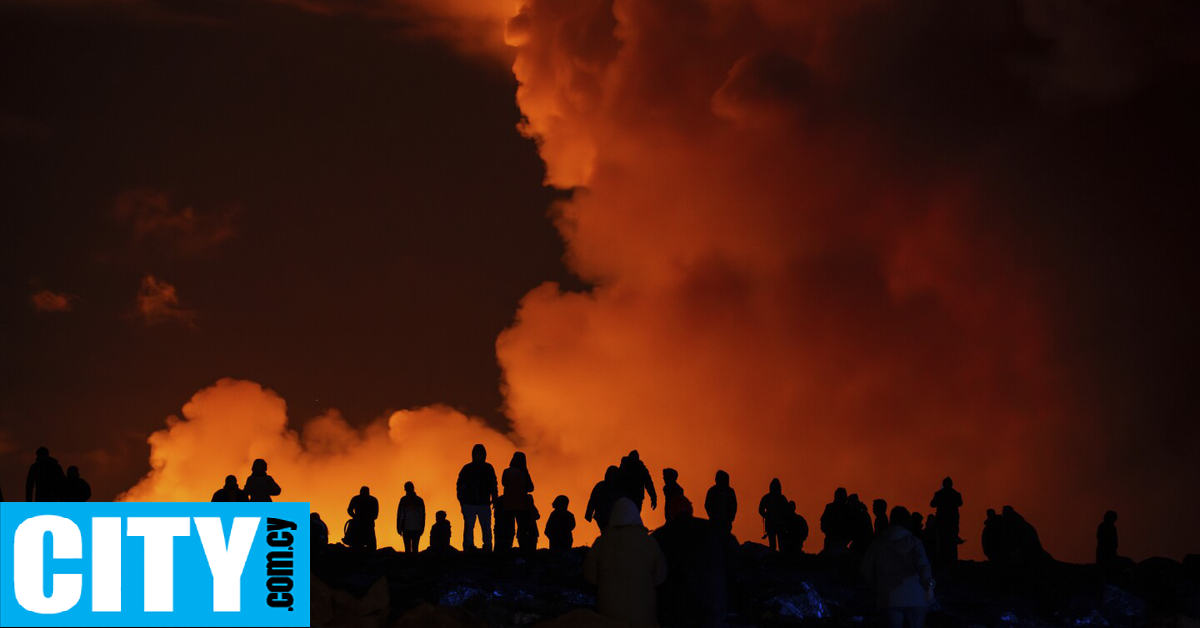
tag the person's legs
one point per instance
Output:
(469, 514)
(485, 524)
(416, 537)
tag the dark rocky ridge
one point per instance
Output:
(767, 590)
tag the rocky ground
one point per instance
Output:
(385, 588)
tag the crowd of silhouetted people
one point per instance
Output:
(677, 574)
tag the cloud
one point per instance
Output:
(50, 301)
(154, 217)
(158, 302)
(224, 427)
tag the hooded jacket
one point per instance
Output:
(896, 565)
(626, 565)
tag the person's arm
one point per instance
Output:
(660, 564)
(29, 482)
(87, 491)
(400, 517)
(274, 489)
(867, 569)
(590, 509)
(924, 571)
(733, 502)
(591, 563)
(762, 507)
(420, 515)
(650, 489)
(493, 487)
(350, 508)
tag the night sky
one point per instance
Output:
(867, 244)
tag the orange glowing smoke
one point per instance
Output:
(799, 273)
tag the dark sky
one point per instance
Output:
(384, 214)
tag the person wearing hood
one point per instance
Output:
(604, 495)
(773, 508)
(45, 480)
(626, 565)
(260, 487)
(721, 503)
(636, 480)
(696, 591)
(410, 518)
(476, 494)
(230, 492)
(834, 523)
(896, 566)
(76, 488)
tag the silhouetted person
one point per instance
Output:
(835, 523)
(1021, 542)
(516, 513)
(721, 503)
(260, 487)
(626, 565)
(795, 532)
(363, 511)
(862, 531)
(604, 495)
(947, 501)
(930, 537)
(918, 524)
(635, 477)
(696, 591)
(896, 566)
(439, 534)
(230, 492)
(76, 488)
(560, 525)
(319, 532)
(879, 509)
(671, 487)
(992, 536)
(410, 518)
(773, 508)
(1106, 540)
(45, 480)
(477, 491)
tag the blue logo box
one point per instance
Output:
(154, 564)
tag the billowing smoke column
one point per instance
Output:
(814, 232)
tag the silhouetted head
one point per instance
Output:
(900, 517)
(792, 507)
(1110, 517)
(1008, 511)
(930, 520)
(364, 491)
(634, 456)
(853, 499)
(722, 478)
(409, 488)
(879, 507)
(478, 453)
(678, 506)
(917, 518)
(624, 513)
(259, 466)
(231, 481)
(776, 486)
(947, 483)
(518, 461)
(440, 515)
(561, 502)
(612, 474)
(839, 495)
(670, 475)
(991, 514)
(314, 517)
(72, 472)
(42, 452)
